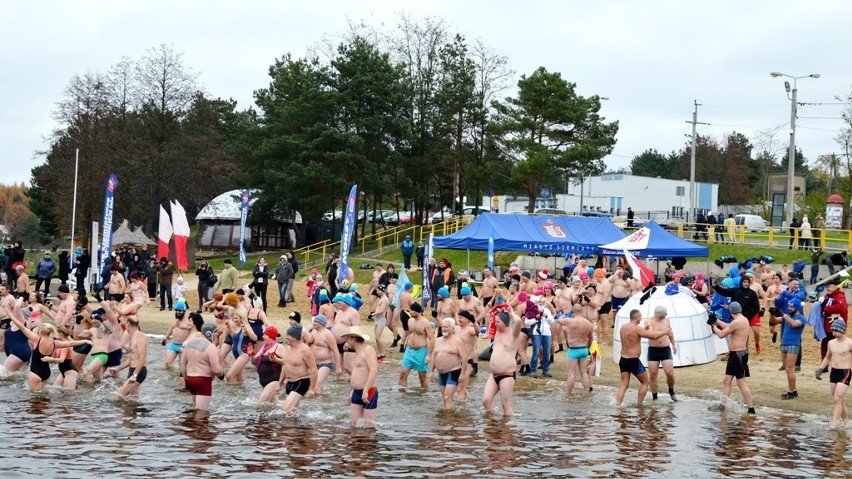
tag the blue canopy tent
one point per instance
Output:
(653, 241)
(555, 235)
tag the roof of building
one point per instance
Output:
(226, 207)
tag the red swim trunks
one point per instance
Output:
(755, 320)
(199, 385)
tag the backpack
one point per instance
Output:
(212, 280)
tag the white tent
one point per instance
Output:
(696, 343)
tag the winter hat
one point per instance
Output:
(735, 308)
(295, 331)
(838, 325)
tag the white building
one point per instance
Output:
(614, 193)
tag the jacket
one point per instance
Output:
(261, 274)
(407, 247)
(284, 272)
(745, 296)
(45, 268)
(834, 304)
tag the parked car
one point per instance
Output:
(472, 211)
(442, 215)
(550, 211)
(332, 215)
(752, 223)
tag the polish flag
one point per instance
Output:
(164, 234)
(640, 271)
(181, 230)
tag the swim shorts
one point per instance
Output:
(605, 308)
(381, 321)
(754, 321)
(791, 349)
(659, 353)
(631, 365)
(140, 376)
(737, 364)
(358, 398)
(175, 347)
(449, 378)
(102, 357)
(618, 303)
(577, 352)
(839, 376)
(415, 359)
(113, 358)
(199, 385)
(299, 386)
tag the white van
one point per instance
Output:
(752, 223)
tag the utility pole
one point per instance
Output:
(694, 122)
(791, 159)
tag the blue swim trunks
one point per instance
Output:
(449, 378)
(415, 359)
(175, 347)
(577, 352)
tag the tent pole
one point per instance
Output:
(468, 260)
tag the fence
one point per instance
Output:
(823, 238)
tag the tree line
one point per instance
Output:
(411, 113)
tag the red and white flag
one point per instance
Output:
(181, 232)
(164, 234)
(640, 271)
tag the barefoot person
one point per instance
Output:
(65, 311)
(364, 398)
(418, 342)
(660, 351)
(839, 357)
(380, 316)
(502, 363)
(467, 333)
(268, 370)
(178, 332)
(136, 360)
(631, 347)
(791, 343)
(738, 329)
(299, 369)
(448, 357)
(326, 355)
(345, 317)
(199, 363)
(579, 332)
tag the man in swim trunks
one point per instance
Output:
(180, 329)
(326, 355)
(467, 333)
(405, 301)
(137, 357)
(345, 317)
(199, 363)
(839, 357)
(100, 348)
(502, 363)
(579, 332)
(620, 289)
(447, 306)
(660, 351)
(22, 283)
(470, 303)
(631, 347)
(489, 285)
(604, 289)
(364, 398)
(299, 369)
(418, 342)
(380, 316)
(448, 357)
(738, 329)
(117, 285)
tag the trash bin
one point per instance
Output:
(498, 272)
(477, 275)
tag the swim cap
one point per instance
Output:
(504, 317)
(444, 292)
(295, 331)
(838, 325)
(600, 273)
(590, 270)
(660, 311)
(271, 332)
(466, 291)
(321, 319)
(522, 296)
(231, 299)
(416, 308)
(408, 286)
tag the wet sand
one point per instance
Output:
(704, 381)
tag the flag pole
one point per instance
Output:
(74, 206)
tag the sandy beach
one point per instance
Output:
(702, 381)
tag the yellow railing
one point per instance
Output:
(776, 236)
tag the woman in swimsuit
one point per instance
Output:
(42, 353)
(17, 346)
(67, 372)
(242, 347)
(139, 288)
(268, 371)
(35, 309)
(257, 317)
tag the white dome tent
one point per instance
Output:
(696, 343)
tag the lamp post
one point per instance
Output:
(791, 155)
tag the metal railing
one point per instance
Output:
(774, 236)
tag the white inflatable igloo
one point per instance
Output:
(696, 343)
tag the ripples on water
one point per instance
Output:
(84, 433)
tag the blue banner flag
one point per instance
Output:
(346, 235)
(491, 251)
(426, 295)
(245, 200)
(106, 222)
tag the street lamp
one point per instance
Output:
(791, 155)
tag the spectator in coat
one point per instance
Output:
(64, 267)
(82, 263)
(45, 269)
(284, 275)
(407, 249)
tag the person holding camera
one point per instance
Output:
(165, 272)
(737, 367)
(204, 272)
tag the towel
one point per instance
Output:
(815, 321)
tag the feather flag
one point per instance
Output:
(164, 234)
(490, 250)
(640, 271)
(106, 223)
(245, 202)
(181, 234)
(346, 234)
(426, 295)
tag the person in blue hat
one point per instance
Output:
(792, 325)
(407, 249)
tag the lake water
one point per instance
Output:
(84, 433)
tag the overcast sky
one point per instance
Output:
(652, 59)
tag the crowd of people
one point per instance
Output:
(528, 319)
